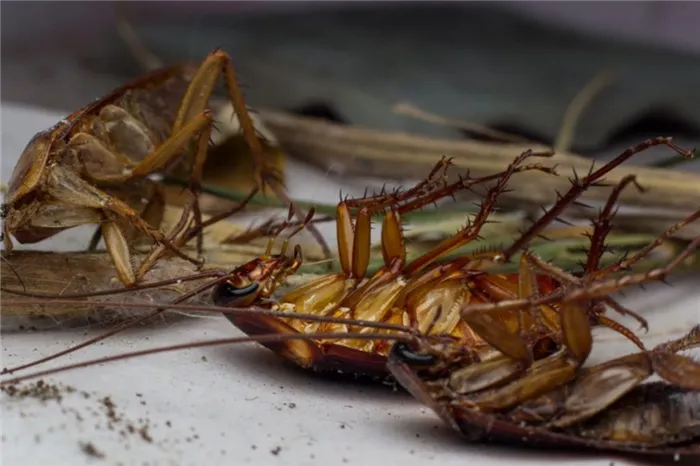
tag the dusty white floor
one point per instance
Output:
(241, 405)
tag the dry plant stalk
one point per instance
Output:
(70, 273)
(359, 151)
(67, 273)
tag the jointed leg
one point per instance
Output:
(69, 187)
(199, 126)
(196, 100)
(471, 231)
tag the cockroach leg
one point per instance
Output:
(595, 288)
(579, 185)
(471, 231)
(68, 187)
(196, 99)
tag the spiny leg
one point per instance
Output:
(601, 229)
(393, 248)
(603, 225)
(579, 185)
(577, 188)
(625, 264)
(392, 245)
(179, 235)
(175, 236)
(354, 241)
(196, 99)
(197, 126)
(424, 187)
(69, 187)
(594, 289)
(471, 230)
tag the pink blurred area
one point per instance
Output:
(26, 25)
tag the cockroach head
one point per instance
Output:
(432, 353)
(256, 280)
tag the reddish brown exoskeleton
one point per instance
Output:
(555, 402)
(93, 166)
(425, 295)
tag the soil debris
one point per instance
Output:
(91, 450)
(39, 390)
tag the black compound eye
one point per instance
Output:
(226, 293)
(404, 353)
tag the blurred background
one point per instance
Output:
(668, 23)
(514, 66)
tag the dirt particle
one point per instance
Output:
(91, 450)
(276, 451)
(143, 431)
(292, 405)
(111, 409)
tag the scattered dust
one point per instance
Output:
(106, 408)
(39, 390)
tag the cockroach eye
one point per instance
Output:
(403, 352)
(226, 293)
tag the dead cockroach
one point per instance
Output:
(92, 167)
(412, 294)
(554, 404)
(512, 395)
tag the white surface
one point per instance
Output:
(237, 402)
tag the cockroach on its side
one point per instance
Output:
(605, 407)
(412, 294)
(555, 401)
(92, 167)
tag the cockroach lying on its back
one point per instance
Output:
(412, 294)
